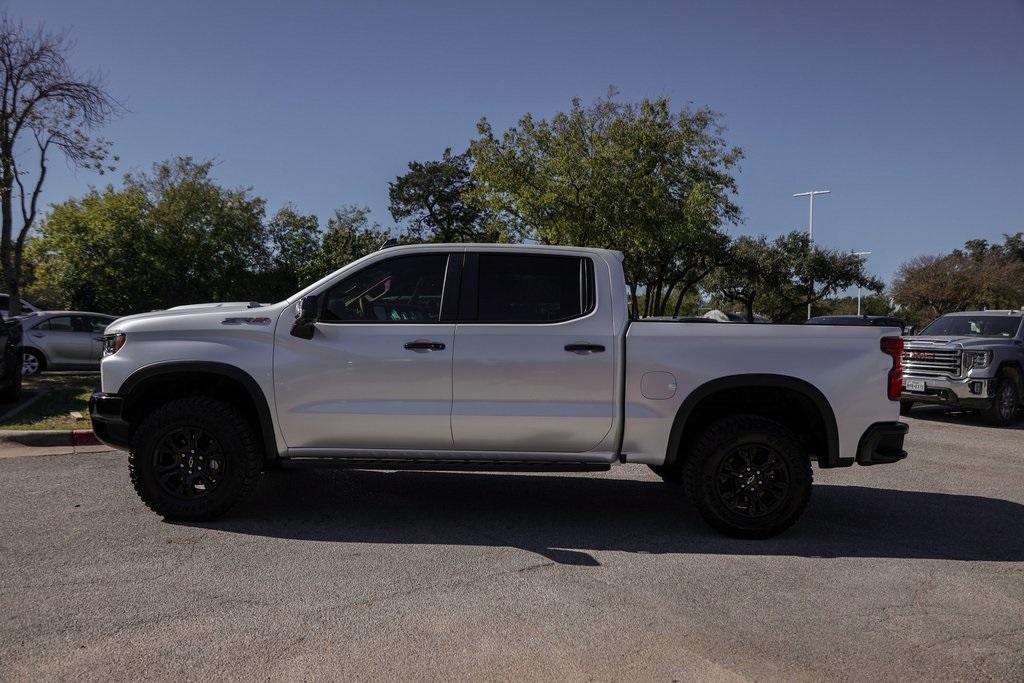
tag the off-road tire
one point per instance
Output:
(997, 413)
(906, 407)
(721, 440)
(237, 443)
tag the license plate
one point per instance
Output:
(916, 385)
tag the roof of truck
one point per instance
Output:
(992, 312)
(495, 245)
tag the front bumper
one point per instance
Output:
(970, 391)
(108, 423)
(882, 444)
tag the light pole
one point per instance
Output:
(810, 227)
(860, 253)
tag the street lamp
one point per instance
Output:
(860, 253)
(810, 227)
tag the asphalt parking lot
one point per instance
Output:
(912, 570)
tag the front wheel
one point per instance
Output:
(194, 458)
(748, 476)
(1005, 401)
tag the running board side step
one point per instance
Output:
(444, 465)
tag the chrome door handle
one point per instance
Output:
(422, 345)
(584, 348)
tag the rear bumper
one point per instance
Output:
(882, 443)
(108, 423)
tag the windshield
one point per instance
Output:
(974, 326)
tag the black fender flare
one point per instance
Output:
(830, 458)
(138, 379)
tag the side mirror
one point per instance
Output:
(306, 314)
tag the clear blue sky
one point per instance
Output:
(912, 113)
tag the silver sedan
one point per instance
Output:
(62, 340)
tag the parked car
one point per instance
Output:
(63, 340)
(492, 357)
(5, 302)
(973, 359)
(870, 320)
(10, 360)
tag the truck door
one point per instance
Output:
(534, 355)
(377, 373)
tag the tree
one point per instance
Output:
(641, 178)
(981, 275)
(45, 108)
(350, 235)
(293, 244)
(774, 278)
(169, 237)
(434, 198)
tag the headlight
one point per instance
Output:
(977, 359)
(112, 343)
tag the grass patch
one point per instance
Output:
(62, 394)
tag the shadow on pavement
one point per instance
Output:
(563, 517)
(959, 416)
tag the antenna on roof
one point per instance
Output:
(388, 243)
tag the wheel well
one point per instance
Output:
(1012, 365)
(793, 406)
(149, 394)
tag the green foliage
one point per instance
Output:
(434, 196)
(779, 278)
(350, 235)
(174, 236)
(981, 275)
(639, 178)
(293, 243)
(871, 304)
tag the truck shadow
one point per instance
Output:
(564, 517)
(960, 417)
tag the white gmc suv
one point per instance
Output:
(492, 357)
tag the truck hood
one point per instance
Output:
(966, 342)
(223, 307)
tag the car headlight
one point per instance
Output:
(977, 359)
(112, 343)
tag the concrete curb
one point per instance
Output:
(49, 437)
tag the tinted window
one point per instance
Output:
(524, 288)
(60, 323)
(974, 326)
(403, 289)
(97, 325)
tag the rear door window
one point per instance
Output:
(526, 288)
(60, 323)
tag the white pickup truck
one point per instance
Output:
(492, 357)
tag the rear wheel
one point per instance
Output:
(905, 407)
(32, 362)
(748, 476)
(1005, 401)
(194, 458)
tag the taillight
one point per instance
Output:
(112, 343)
(893, 346)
